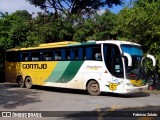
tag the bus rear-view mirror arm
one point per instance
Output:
(151, 57)
(129, 58)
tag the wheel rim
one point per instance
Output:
(20, 81)
(29, 82)
(95, 87)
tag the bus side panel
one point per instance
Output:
(96, 70)
(63, 73)
(91, 70)
(12, 70)
(38, 71)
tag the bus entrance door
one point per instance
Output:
(117, 74)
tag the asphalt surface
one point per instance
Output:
(55, 103)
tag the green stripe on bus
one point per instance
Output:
(58, 71)
(70, 71)
(85, 43)
(76, 44)
(88, 43)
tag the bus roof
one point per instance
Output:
(57, 44)
(47, 45)
(72, 43)
(118, 42)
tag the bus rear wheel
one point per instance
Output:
(20, 81)
(93, 88)
(28, 82)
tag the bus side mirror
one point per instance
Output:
(151, 57)
(129, 58)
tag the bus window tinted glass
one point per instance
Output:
(24, 56)
(74, 54)
(93, 53)
(12, 56)
(57, 55)
(35, 56)
(47, 55)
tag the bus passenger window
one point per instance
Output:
(74, 54)
(25, 56)
(98, 56)
(57, 55)
(67, 54)
(81, 54)
(47, 55)
(35, 56)
(12, 56)
(93, 52)
(89, 53)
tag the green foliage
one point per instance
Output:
(140, 23)
(13, 29)
(99, 27)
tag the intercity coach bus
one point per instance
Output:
(96, 66)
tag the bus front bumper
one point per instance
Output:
(129, 89)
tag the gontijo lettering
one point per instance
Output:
(34, 66)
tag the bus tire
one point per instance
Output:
(20, 81)
(28, 82)
(93, 88)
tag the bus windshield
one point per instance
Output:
(132, 49)
(135, 71)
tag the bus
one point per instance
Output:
(96, 66)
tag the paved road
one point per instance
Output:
(13, 98)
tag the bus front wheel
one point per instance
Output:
(20, 81)
(93, 88)
(28, 82)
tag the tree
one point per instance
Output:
(14, 28)
(24, 14)
(140, 23)
(74, 6)
(99, 27)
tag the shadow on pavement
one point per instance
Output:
(11, 96)
(131, 95)
(61, 90)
